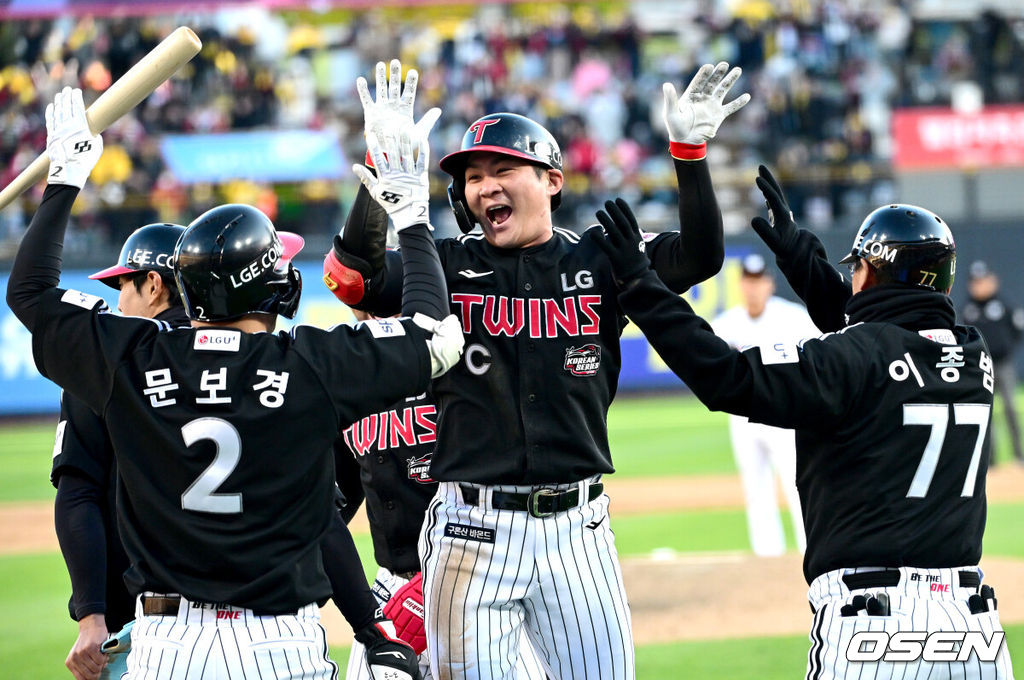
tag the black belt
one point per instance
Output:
(891, 577)
(160, 605)
(539, 502)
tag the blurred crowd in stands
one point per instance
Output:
(824, 79)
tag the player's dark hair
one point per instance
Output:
(138, 279)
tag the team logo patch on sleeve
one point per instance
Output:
(384, 328)
(80, 299)
(419, 469)
(584, 360)
(217, 340)
(779, 353)
(469, 533)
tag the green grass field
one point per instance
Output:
(651, 437)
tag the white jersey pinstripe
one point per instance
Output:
(557, 578)
(223, 642)
(915, 605)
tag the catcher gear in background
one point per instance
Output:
(505, 133)
(73, 149)
(405, 609)
(906, 244)
(388, 657)
(148, 248)
(230, 261)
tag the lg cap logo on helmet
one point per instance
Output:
(255, 269)
(143, 257)
(879, 249)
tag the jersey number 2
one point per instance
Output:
(200, 496)
(936, 416)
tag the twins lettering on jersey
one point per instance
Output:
(397, 428)
(498, 315)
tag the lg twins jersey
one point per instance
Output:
(223, 439)
(393, 450)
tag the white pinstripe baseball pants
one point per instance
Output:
(528, 666)
(489, 574)
(229, 643)
(924, 600)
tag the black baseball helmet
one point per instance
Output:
(230, 261)
(149, 248)
(505, 133)
(907, 244)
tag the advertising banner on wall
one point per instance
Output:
(940, 138)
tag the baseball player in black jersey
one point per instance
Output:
(891, 414)
(85, 475)
(516, 537)
(388, 455)
(223, 431)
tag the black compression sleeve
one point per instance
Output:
(78, 520)
(423, 284)
(698, 253)
(823, 289)
(38, 262)
(352, 595)
(365, 232)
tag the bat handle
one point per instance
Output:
(28, 177)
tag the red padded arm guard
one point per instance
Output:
(405, 609)
(347, 284)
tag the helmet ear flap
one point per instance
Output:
(288, 304)
(458, 202)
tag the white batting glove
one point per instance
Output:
(694, 117)
(402, 186)
(393, 109)
(72, 148)
(446, 345)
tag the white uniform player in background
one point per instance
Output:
(763, 452)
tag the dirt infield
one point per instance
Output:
(679, 597)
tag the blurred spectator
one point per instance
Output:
(1001, 324)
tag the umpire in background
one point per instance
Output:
(84, 472)
(891, 416)
(1001, 326)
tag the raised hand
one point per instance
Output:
(694, 117)
(72, 148)
(621, 241)
(779, 231)
(393, 108)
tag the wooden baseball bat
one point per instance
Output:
(148, 74)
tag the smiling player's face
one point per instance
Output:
(511, 198)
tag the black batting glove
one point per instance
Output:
(387, 657)
(779, 231)
(621, 241)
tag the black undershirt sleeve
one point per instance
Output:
(352, 595)
(38, 262)
(423, 284)
(698, 253)
(78, 520)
